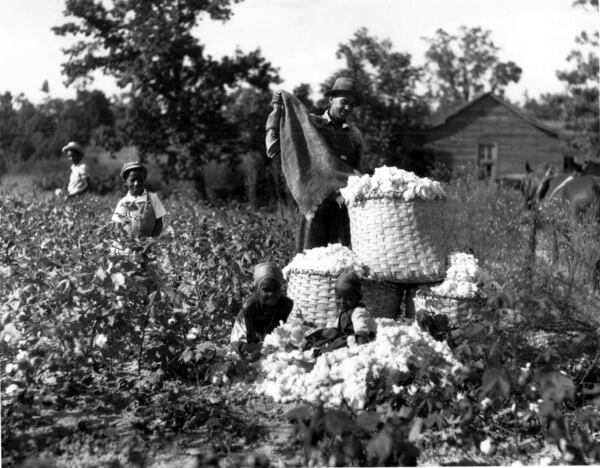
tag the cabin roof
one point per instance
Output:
(519, 113)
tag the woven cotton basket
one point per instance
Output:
(313, 294)
(457, 310)
(399, 241)
(382, 298)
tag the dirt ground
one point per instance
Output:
(212, 427)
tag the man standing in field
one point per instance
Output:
(79, 180)
(319, 153)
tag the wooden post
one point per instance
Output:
(532, 248)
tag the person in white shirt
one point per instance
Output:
(79, 180)
(139, 213)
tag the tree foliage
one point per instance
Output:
(548, 106)
(30, 131)
(303, 92)
(466, 64)
(581, 104)
(392, 113)
(246, 109)
(577, 106)
(175, 91)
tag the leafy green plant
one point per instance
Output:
(73, 303)
(79, 316)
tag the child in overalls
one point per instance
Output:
(262, 312)
(354, 323)
(139, 213)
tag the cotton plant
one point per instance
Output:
(343, 374)
(463, 277)
(392, 182)
(332, 260)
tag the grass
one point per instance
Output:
(39, 176)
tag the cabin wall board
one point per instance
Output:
(489, 122)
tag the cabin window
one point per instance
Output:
(486, 160)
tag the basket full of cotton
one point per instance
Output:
(460, 295)
(395, 224)
(311, 277)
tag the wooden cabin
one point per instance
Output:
(494, 140)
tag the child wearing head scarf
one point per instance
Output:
(354, 323)
(262, 312)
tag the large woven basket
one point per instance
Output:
(458, 310)
(382, 298)
(399, 241)
(313, 294)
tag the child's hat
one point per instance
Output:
(262, 271)
(130, 166)
(74, 147)
(348, 282)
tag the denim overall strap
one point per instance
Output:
(147, 218)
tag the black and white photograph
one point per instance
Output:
(299, 233)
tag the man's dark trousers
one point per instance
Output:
(330, 225)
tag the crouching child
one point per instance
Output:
(262, 312)
(353, 324)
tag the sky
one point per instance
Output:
(300, 37)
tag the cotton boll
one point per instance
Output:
(12, 390)
(487, 446)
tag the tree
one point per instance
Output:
(549, 106)
(35, 128)
(392, 114)
(580, 108)
(303, 92)
(175, 93)
(40, 131)
(9, 125)
(465, 65)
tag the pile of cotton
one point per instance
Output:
(463, 277)
(391, 182)
(343, 374)
(332, 259)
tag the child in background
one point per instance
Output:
(262, 312)
(139, 213)
(354, 323)
(79, 180)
